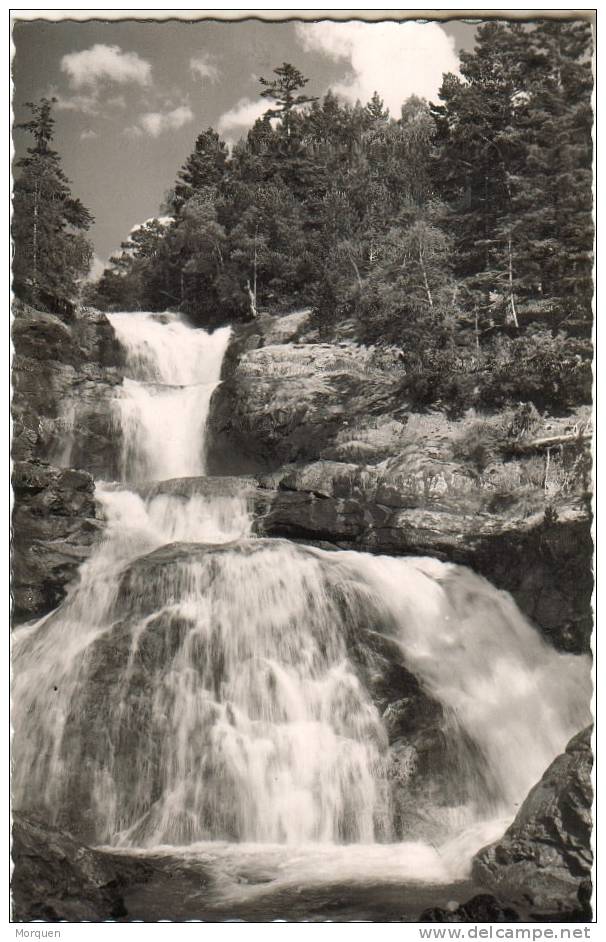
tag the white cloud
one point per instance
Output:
(132, 131)
(118, 101)
(102, 62)
(163, 220)
(88, 134)
(87, 104)
(241, 117)
(202, 67)
(90, 103)
(395, 59)
(155, 123)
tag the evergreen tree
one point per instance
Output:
(205, 167)
(51, 254)
(281, 91)
(376, 109)
(478, 157)
(555, 205)
(514, 162)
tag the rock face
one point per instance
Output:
(54, 528)
(545, 565)
(64, 376)
(285, 403)
(343, 460)
(544, 859)
(56, 879)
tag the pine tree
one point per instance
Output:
(376, 108)
(204, 167)
(514, 162)
(50, 255)
(481, 151)
(555, 204)
(281, 90)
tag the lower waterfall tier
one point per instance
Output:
(263, 691)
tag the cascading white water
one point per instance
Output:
(200, 685)
(165, 399)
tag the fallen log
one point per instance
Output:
(538, 444)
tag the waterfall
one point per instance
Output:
(201, 685)
(165, 400)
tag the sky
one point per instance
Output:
(133, 95)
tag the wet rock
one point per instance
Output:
(323, 479)
(258, 499)
(303, 516)
(480, 908)
(423, 760)
(64, 381)
(546, 566)
(64, 378)
(57, 879)
(543, 861)
(54, 530)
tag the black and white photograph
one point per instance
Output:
(302, 320)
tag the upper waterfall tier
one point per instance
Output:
(172, 370)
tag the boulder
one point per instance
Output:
(289, 402)
(480, 908)
(57, 879)
(544, 859)
(54, 530)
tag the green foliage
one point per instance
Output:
(458, 233)
(51, 254)
(515, 164)
(478, 444)
(281, 91)
(552, 372)
(205, 167)
(524, 421)
(536, 369)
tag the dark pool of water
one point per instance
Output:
(180, 890)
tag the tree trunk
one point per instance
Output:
(512, 302)
(255, 267)
(547, 464)
(355, 267)
(425, 281)
(252, 299)
(35, 246)
(538, 444)
(252, 291)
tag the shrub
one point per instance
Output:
(551, 372)
(477, 445)
(524, 420)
